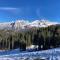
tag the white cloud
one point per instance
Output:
(8, 8)
(12, 10)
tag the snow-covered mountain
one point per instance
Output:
(5, 25)
(42, 23)
(23, 24)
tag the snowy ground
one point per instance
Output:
(52, 54)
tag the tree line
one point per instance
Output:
(45, 38)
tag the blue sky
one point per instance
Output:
(11, 10)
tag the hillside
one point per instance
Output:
(45, 38)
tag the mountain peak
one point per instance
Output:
(23, 24)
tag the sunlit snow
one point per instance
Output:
(51, 54)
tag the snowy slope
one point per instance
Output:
(52, 54)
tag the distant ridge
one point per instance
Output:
(25, 24)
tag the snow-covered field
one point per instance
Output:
(51, 54)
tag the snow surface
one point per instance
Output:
(51, 54)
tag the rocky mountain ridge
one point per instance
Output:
(24, 24)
